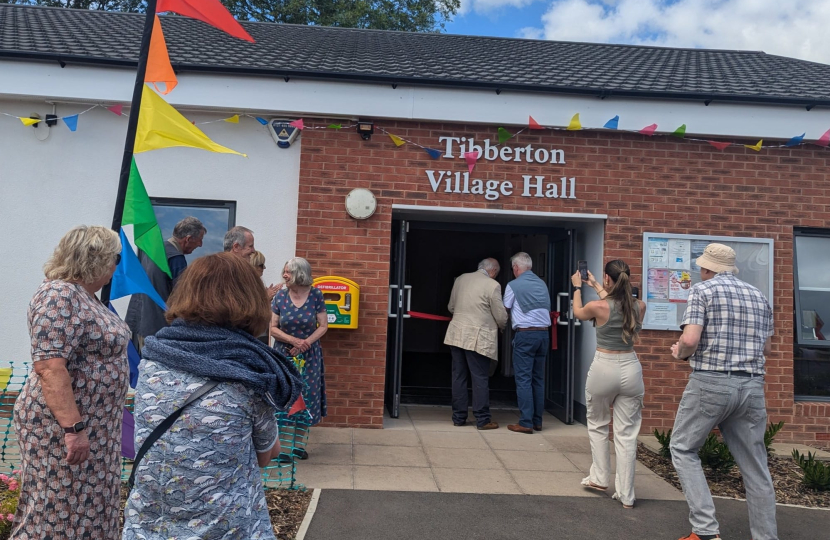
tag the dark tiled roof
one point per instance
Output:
(97, 37)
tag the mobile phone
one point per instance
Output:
(583, 270)
(635, 292)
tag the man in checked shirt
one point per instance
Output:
(726, 333)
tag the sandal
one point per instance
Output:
(616, 497)
(590, 485)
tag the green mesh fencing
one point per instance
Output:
(281, 473)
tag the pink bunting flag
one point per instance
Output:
(471, 158)
(719, 145)
(825, 139)
(116, 109)
(297, 124)
(649, 130)
(533, 124)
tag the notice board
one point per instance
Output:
(669, 271)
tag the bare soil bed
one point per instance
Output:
(786, 476)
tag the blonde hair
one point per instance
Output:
(257, 259)
(84, 254)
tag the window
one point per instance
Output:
(216, 216)
(812, 313)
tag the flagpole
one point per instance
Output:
(132, 125)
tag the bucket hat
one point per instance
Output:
(718, 258)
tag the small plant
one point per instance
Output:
(715, 454)
(9, 494)
(769, 435)
(816, 473)
(664, 439)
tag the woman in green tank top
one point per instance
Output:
(615, 378)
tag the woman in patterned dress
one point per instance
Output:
(68, 414)
(298, 322)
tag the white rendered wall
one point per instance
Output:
(352, 100)
(71, 178)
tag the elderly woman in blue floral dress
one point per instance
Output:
(298, 322)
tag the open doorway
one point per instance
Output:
(426, 257)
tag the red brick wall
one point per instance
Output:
(657, 184)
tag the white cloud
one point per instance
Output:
(794, 28)
(491, 6)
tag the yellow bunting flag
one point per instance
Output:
(29, 121)
(397, 140)
(757, 146)
(233, 119)
(575, 125)
(161, 126)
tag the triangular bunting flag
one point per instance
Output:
(29, 121)
(795, 141)
(574, 125)
(335, 126)
(757, 146)
(161, 126)
(298, 406)
(297, 124)
(720, 145)
(128, 434)
(680, 132)
(648, 130)
(434, 154)
(138, 211)
(233, 119)
(262, 121)
(209, 11)
(159, 69)
(71, 122)
(471, 158)
(504, 135)
(130, 278)
(825, 139)
(397, 140)
(533, 124)
(133, 358)
(116, 109)
(614, 123)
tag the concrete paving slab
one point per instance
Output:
(390, 456)
(475, 481)
(573, 444)
(583, 462)
(325, 476)
(328, 435)
(330, 454)
(397, 423)
(452, 439)
(386, 438)
(442, 425)
(431, 413)
(462, 458)
(515, 460)
(394, 479)
(652, 487)
(554, 483)
(507, 440)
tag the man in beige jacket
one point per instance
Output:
(477, 315)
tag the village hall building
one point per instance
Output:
(579, 152)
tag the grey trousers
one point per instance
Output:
(735, 404)
(479, 369)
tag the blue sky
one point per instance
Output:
(794, 28)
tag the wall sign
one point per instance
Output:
(526, 185)
(669, 271)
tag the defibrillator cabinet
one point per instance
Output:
(342, 298)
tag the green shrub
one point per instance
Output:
(715, 454)
(664, 439)
(769, 435)
(816, 473)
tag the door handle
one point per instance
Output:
(570, 310)
(408, 289)
(389, 303)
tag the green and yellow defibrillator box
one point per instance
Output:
(342, 298)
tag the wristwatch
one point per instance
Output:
(77, 427)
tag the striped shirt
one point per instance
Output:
(736, 321)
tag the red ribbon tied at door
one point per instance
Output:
(554, 322)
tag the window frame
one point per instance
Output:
(199, 203)
(811, 232)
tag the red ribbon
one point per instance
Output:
(428, 316)
(554, 320)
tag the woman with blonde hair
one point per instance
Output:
(615, 378)
(257, 260)
(68, 414)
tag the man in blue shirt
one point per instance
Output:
(528, 300)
